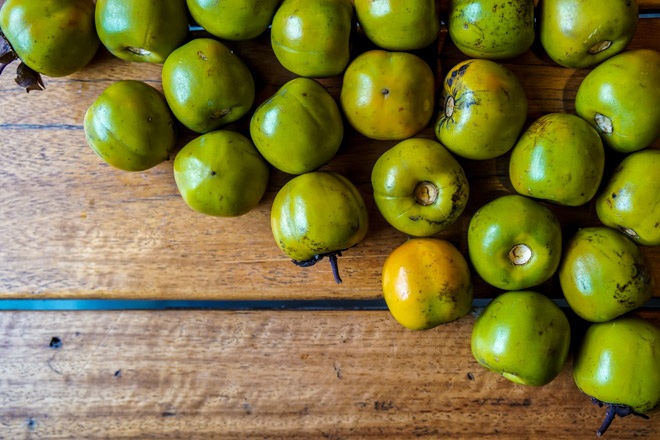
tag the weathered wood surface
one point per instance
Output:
(275, 375)
(71, 226)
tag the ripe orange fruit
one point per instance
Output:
(427, 282)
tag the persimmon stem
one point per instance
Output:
(335, 268)
(613, 410)
(332, 256)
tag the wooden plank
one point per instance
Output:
(71, 226)
(276, 375)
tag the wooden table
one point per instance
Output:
(275, 351)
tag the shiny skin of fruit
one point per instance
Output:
(514, 242)
(603, 274)
(142, 31)
(630, 201)
(388, 95)
(492, 29)
(53, 37)
(311, 37)
(583, 33)
(559, 158)
(618, 363)
(221, 174)
(129, 125)
(299, 128)
(419, 188)
(207, 85)
(234, 20)
(426, 282)
(522, 335)
(483, 111)
(316, 213)
(398, 24)
(619, 98)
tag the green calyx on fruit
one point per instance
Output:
(25, 76)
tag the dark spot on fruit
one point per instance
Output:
(385, 92)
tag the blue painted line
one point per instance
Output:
(25, 304)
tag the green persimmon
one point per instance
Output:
(620, 97)
(130, 126)
(492, 29)
(630, 201)
(318, 214)
(299, 128)
(221, 174)
(603, 274)
(207, 85)
(311, 37)
(398, 24)
(583, 33)
(618, 365)
(51, 37)
(522, 335)
(142, 31)
(483, 111)
(419, 188)
(514, 242)
(559, 158)
(234, 20)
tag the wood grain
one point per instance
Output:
(71, 226)
(275, 375)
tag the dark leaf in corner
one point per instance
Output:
(28, 78)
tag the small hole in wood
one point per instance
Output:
(55, 342)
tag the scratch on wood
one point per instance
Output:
(101, 344)
(49, 362)
(337, 369)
